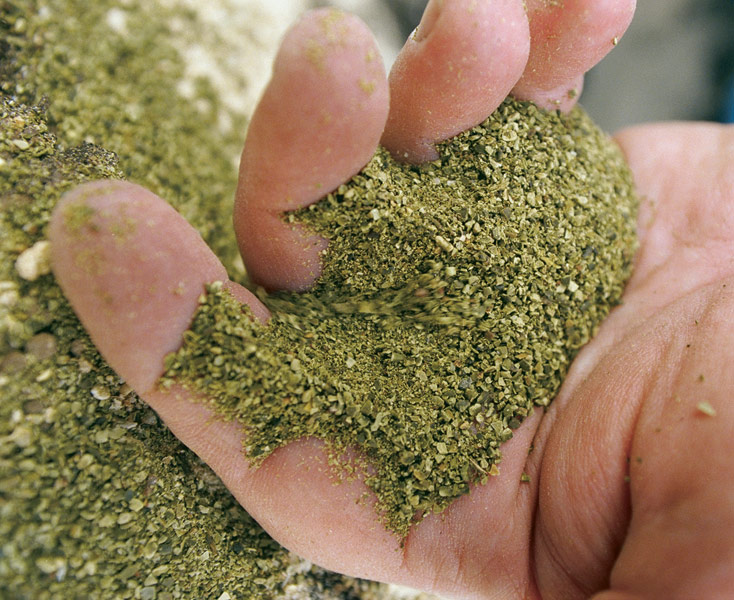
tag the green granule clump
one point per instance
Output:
(453, 298)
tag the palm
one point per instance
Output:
(628, 404)
(625, 460)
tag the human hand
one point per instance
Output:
(578, 527)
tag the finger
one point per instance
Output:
(295, 495)
(456, 68)
(133, 269)
(318, 123)
(567, 39)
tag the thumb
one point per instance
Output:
(133, 269)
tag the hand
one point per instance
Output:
(630, 482)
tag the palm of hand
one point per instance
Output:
(628, 409)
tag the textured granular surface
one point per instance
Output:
(97, 498)
(453, 298)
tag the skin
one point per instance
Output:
(631, 492)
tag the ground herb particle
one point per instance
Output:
(453, 298)
(706, 409)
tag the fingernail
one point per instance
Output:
(428, 20)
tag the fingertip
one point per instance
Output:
(280, 255)
(133, 270)
(460, 64)
(317, 124)
(563, 97)
(567, 39)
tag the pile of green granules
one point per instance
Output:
(453, 298)
(97, 498)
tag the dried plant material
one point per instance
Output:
(453, 298)
(706, 409)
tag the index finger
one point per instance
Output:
(318, 123)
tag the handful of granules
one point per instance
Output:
(453, 298)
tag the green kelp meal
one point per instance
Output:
(453, 298)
